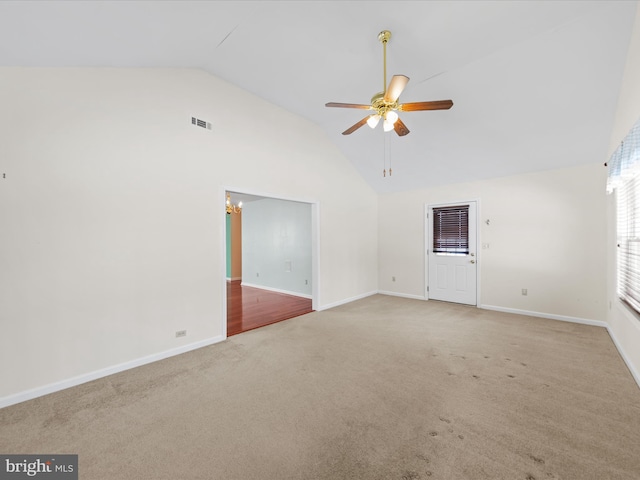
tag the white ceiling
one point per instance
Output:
(534, 83)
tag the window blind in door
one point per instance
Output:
(451, 230)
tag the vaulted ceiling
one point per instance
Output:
(534, 83)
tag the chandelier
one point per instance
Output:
(231, 208)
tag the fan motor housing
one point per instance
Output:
(382, 107)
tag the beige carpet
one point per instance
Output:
(382, 388)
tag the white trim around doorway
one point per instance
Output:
(425, 246)
(315, 241)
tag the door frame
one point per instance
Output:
(315, 242)
(427, 233)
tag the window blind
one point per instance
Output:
(451, 230)
(628, 233)
(624, 179)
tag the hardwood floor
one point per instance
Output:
(249, 308)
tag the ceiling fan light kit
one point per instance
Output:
(385, 104)
(373, 120)
(387, 125)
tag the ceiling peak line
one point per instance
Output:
(227, 36)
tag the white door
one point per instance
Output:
(451, 253)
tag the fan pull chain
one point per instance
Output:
(384, 155)
(388, 155)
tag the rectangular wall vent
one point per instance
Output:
(200, 123)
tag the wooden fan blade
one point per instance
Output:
(400, 128)
(435, 105)
(396, 86)
(348, 105)
(353, 128)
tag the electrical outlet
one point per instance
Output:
(393, 279)
(181, 333)
(306, 282)
(524, 291)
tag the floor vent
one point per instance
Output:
(200, 123)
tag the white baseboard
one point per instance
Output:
(72, 382)
(597, 323)
(345, 301)
(552, 316)
(277, 290)
(403, 295)
(630, 366)
(233, 279)
(88, 377)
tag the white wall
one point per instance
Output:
(112, 214)
(624, 326)
(276, 245)
(545, 234)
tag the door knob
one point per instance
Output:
(473, 261)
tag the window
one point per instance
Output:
(451, 230)
(624, 179)
(628, 241)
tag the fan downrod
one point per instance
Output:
(384, 37)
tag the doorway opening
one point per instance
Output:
(451, 252)
(270, 260)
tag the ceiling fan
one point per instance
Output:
(385, 104)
